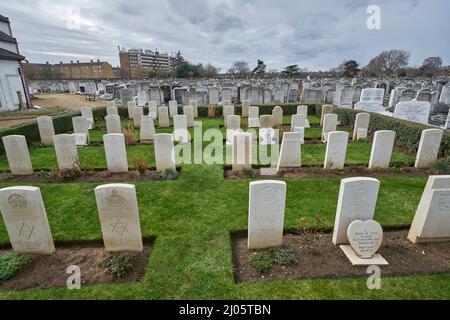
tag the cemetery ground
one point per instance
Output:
(197, 220)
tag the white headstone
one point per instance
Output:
(361, 127)
(131, 105)
(138, 113)
(180, 131)
(66, 151)
(266, 214)
(119, 217)
(277, 116)
(188, 111)
(416, 111)
(46, 129)
(227, 111)
(336, 150)
(87, 113)
(242, 151)
(383, 143)
(112, 110)
(245, 108)
(17, 153)
(173, 108)
(163, 117)
(429, 145)
(329, 125)
(116, 152)
(164, 152)
(113, 124)
(432, 219)
(147, 133)
(26, 221)
(290, 154)
(357, 201)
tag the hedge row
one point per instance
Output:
(408, 133)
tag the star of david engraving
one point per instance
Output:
(25, 231)
(119, 227)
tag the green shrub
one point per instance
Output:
(441, 167)
(283, 256)
(12, 262)
(170, 174)
(117, 265)
(407, 133)
(261, 261)
(249, 172)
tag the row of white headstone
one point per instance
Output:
(28, 228)
(356, 203)
(67, 153)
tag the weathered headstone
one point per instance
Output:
(87, 113)
(163, 117)
(112, 110)
(277, 116)
(180, 131)
(357, 201)
(290, 153)
(116, 152)
(46, 129)
(138, 113)
(147, 132)
(326, 109)
(267, 202)
(416, 111)
(336, 150)
(17, 154)
(329, 125)
(119, 217)
(194, 104)
(383, 143)
(245, 108)
(164, 152)
(113, 124)
(188, 111)
(26, 221)
(66, 151)
(431, 222)
(131, 105)
(429, 145)
(227, 111)
(361, 127)
(173, 108)
(242, 151)
(253, 117)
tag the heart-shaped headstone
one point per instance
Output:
(365, 237)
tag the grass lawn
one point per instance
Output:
(93, 157)
(192, 219)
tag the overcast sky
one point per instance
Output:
(315, 34)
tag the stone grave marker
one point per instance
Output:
(26, 221)
(357, 201)
(147, 133)
(329, 125)
(116, 152)
(188, 111)
(431, 222)
(429, 145)
(113, 124)
(336, 150)
(290, 154)
(46, 129)
(242, 151)
(66, 152)
(180, 132)
(119, 217)
(164, 152)
(382, 145)
(17, 154)
(361, 127)
(163, 117)
(266, 214)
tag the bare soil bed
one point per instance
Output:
(318, 258)
(49, 271)
(319, 173)
(86, 176)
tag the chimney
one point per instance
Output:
(47, 62)
(92, 61)
(98, 60)
(60, 62)
(71, 61)
(78, 61)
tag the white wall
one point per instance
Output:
(10, 83)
